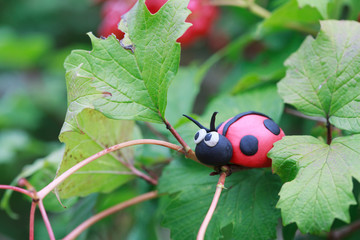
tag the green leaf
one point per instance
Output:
(104, 174)
(43, 168)
(291, 15)
(22, 52)
(322, 189)
(11, 142)
(182, 92)
(132, 85)
(79, 97)
(263, 99)
(320, 5)
(247, 203)
(323, 77)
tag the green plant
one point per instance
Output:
(111, 87)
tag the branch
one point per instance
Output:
(17, 189)
(343, 232)
(219, 188)
(189, 153)
(51, 186)
(263, 13)
(156, 132)
(32, 220)
(142, 175)
(46, 220)
(251, 5)
(89, 222)
(299, 114)
(329, 131)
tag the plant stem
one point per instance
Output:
(219, 188)
(251, 5)
(329, 131)
(51, 186)
(46, 220)
(344, 231)
(17, 189)
(32, 220)
(189, 153)
(156, 132)
(89, 222)
(263, 13)
(299, 114)
(142, 175)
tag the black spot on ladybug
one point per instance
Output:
(272, 126)
(208, 137)
(249, 145)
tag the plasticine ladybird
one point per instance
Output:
(243, 140)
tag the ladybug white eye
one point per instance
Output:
(211, 139)
(199, 136)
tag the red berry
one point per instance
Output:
(111, 13)
(202, 17)
(154, 5)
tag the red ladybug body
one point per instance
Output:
(252, 135)
(243, 140)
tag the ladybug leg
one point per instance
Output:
(218, 169)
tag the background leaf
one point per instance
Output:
(247, 204)
(183, 91)
(320, 5)
(323, 77)
(134, 85)
(322, 189)
(104, 174)
(263, 99)
(290, 15)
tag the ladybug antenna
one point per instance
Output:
(197, 123)
(212, 123)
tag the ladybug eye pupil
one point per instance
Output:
(211, 139)
(208, 137)
(199, 136)
(196, 135)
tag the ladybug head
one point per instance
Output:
(212, 148)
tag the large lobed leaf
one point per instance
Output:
(105, 173)
(123, 84)
(323, 76)
(320, 180)
(247, 204)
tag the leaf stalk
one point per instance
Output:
(329, 131)
(51, 186)
(89, 222)
(219, 187)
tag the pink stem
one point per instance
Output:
(189, 153)
(142, 175)
(219, 188)
(41, 194)
(82, 227)
(46, 220)
(17, 189)
(32, 220)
